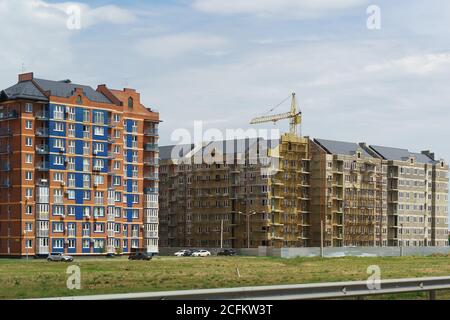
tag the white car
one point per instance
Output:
(201, 253)
(181, 253)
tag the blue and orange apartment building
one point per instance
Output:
(78, 170)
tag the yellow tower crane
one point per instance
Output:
(294, 116)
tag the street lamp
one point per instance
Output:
(25, 240)
(401, 240)
(248, 215)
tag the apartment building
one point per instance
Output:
(79, 170)
(348, 195)
(417, 197)
(237, 193)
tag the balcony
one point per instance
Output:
(111, 217)
(5, 149)
(42, 115)
(5, 166)
(43, 216)
(151, 162)
(151, 220)
(151, 147)
(58, 199)
(151, 176)
(5, 184)
(151, 190)
(42, 132)
(43, 166)
(111, 233)
(42, 149)
(151, 234)
(151, 132)
(42, 233)
(5, 132)
(43, 250)
(9, 115)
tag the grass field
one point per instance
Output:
(38, 278)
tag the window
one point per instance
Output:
(28, 141)
(86, 211)
(71, 211)
(29, 193)
(71, 163)
(71, 180)
(86, 132)
(99, 148)
(86, 116)
(130, 102)
(59, 127)
(79, 100)
(58, 113)
(29, 244)
(29, 210)
(86, 244)
(116, 165)
(86, 148)
(86, 181)
(59, 161)
(58, 227)
(58, 143)
(29, 158)
(72, 243)
(116, 149)
(87, 195)
(99, 131)
(29, 124)
(99, 117)
(117, 134)
(28, 107)
(28, 175)
(71, 113)
(28, 227)
(99, 228)
(71, 130)
(58, 244)
(71, 148)
(116, 117)
(71, 194)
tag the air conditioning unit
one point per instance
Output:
(63, 183)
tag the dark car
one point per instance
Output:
(140, 256)
(227, 252)
(188, 253)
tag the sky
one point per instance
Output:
(226, 62)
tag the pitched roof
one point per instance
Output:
(66, 89)
(398, 154)
(168, 152)
(341, 148)
(23, 90)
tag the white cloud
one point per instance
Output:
(276, 8)
(421, 64)
(174, 45)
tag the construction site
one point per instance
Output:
(298, 191)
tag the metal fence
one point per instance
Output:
(333, 290)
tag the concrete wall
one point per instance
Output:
(328, 252)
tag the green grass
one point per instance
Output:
(38, 278)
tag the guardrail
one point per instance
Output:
(333, 290)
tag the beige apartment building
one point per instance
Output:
(278, 193)
(349, 192)
(241, 193)
(417, 197)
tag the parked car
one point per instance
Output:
(227, 252)
(181, 253)
(140, 256)
(58, 257)
(201, 253)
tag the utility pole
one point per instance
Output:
(248, 225)
(221, 234)
(321, 238)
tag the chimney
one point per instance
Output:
(26, 77)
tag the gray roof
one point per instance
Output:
(341, 148)
(65, 89)
(168, 152)
(400, 154)
(23, 90)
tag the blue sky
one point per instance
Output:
(227, 61)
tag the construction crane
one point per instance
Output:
(294, 116)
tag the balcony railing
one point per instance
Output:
(42, 132)
(8, 115)
(42, 233)
(42, 115)
(151, 176)
(5, 166)
(5, 132)
(151, 190)
(43, 216)
(151, 162)
(42, 149)
(151, 234)
(151, 147)
(43, 166)
(151, 132)
(5, 149)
